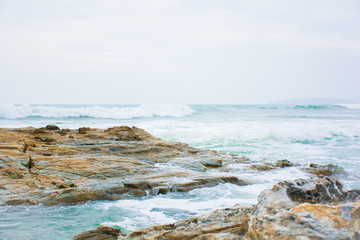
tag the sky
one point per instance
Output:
(178, 51)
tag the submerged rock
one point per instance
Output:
(60, 166)
(211, 163)
(284, 163)
(324, 170)
(208, 182)
(262, 167)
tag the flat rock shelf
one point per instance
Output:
(50, 166)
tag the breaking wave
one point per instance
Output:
(98, 111)
(311, 106)
(355, 106)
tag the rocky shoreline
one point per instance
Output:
(317, 208)
(53, 166)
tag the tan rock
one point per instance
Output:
(229, 223)
(261, 167)
(284, 163)
(61, 166)
(101, 233)
(332, 214)
(324, 170)
(301, 209)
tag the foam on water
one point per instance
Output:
(97, 111)
(174, 206)
(308, 141)
(283, 131)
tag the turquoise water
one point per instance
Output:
(300, 133)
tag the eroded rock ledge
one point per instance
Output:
(301, 209)
(61, 166)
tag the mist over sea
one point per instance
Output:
(303, 134)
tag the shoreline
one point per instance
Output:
(53, 166)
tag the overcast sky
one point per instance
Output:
(178, 51)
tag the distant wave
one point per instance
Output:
(311, 106)
(98, 111)
(355, 106)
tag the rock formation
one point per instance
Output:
(324, 170)
(61, 166)
(101, 233)
(305, 209)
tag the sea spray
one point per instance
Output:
(95, 111)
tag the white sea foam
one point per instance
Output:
(228, 133)
(161, 209)
(98, 111)
(170, 207)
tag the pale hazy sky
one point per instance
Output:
(178, 51)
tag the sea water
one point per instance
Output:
(302, 134)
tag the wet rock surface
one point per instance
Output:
(284, 163)
(262, 167)
(304, 209)
(101, 233)
(325, 191)
(324, 170)
(228, 223)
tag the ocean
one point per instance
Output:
(302, 134)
